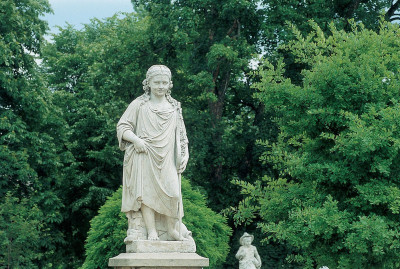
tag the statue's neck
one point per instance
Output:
(154, 99)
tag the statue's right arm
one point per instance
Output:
(239, 254)
(126, 127)
(138, 143)
(130, 137)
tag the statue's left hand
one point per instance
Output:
(184, 161)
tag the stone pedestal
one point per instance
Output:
(145, 254)
(146, 246)
(158, 261)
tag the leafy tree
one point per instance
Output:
(21, 226)
(279, 14)
(92, 72)
(96, 72)
(336, 199)
(323, 13)
(31, 137)
(108, 230)
(209, 46)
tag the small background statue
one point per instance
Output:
(247, 254)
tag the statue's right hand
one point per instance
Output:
(140, 145)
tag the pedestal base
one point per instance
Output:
(158, 261)
(146, 246)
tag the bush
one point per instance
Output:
(108, 230)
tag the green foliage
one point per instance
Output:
(92, 72)
(208, 45)
(336, 199)
(209, 229)
(21, 228)
(96, 72)
(31, 140)
(323, 12)
(279, 15)
(108, 230)
(66, 158)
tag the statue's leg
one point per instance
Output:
(149, 220)
(171, 224)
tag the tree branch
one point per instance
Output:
(235, 25)
(391, 11)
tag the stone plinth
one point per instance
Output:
(158, 261)
(146, 246)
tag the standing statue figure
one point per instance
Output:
(153, 135)
(247, 254)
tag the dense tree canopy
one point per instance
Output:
(21, 230)
(336, 199)
(323, 12)
(209, 45)
(91, 73)
(59, 158)
(31, 139)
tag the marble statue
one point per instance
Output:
(247, 254)
(153, 135)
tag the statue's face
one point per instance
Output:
(246, 241)
(159, 85)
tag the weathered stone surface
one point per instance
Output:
(146, 246)
(158, 260)
(153, 135)
(137, 229)
(247, 255)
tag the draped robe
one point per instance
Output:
(152, 178)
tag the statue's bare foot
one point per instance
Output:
(152, 236)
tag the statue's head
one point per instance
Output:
(246, 239)
(156, 70)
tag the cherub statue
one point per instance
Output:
(247, 254)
